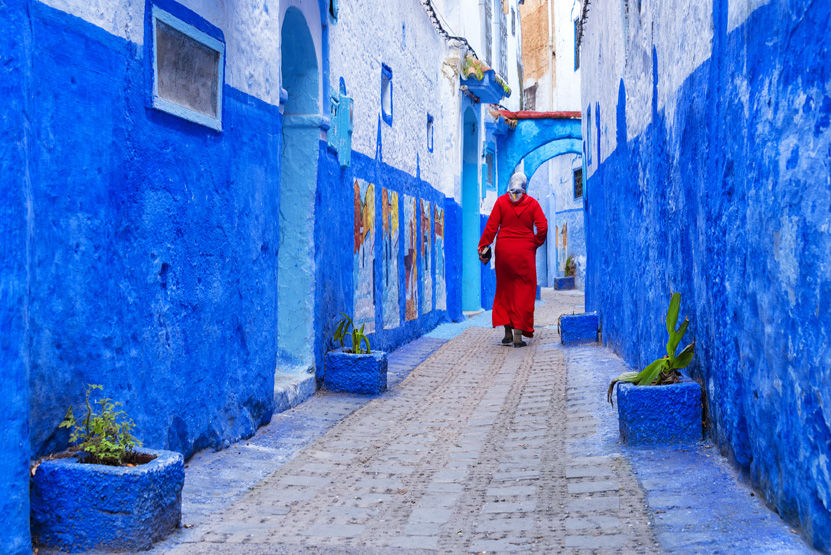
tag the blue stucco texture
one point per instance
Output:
(366, 374)
(659, 414)
(561, 283)
(77, 507)
(14, 282)
(728, 203)
(154, 251)
(578, 328)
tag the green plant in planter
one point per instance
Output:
(664, 370)
(104, 434)
(571, 268)
(357, 335)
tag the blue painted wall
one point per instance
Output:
(334, 220)
(453, 258)
(154, 251)
(732, 209)
(15, 191)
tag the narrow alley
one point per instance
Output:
(268, 269)
(475, 448)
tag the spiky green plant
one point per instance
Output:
(664, 370)
(357, 335)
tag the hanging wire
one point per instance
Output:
(434, 17)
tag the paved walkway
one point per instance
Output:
(475, 448)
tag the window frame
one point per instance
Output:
(430, 132)
(386, 79)
(168, 106)
(574, 173)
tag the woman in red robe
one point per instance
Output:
(514, 216)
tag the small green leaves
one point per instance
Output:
(104, 435)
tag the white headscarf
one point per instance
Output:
(517, 186)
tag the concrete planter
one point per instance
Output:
(353, 373)
(659, 414)
(77, 507)
(579, 328)
(561, 283)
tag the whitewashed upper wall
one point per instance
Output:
(567, 79)
(251, 29)
(619, 45)
(397, 33)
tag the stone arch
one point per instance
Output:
(530, 135)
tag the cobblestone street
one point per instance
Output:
(481, 448)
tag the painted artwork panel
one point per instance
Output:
(363, 265)
(441, 279)
(410, 256)
(426, 248)
(389, 207)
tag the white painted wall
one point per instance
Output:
(614, 44)
(252, 35)
(399, 34)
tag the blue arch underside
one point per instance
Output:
(546, 152)
(529, 135)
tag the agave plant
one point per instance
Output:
(664, 370)
(357, 335)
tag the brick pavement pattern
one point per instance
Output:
(477, 449)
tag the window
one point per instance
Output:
(188, 71)
(429, 133)
(513, 22)
(576, 49)
(386, 94)
(587, 144)
(333, 9)
(578, 183)
(491, 186)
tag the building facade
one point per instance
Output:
(707, 141)
(551, 83)
(193, 191)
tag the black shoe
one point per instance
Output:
(509, 336)
(517, 339)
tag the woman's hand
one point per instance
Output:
(484, 255)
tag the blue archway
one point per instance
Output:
(531, 134)
(298, 182)
(536, 158)
(471, 221)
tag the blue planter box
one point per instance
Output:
(352, 373)
(561, 283)
(659, 414)
(78, 507)
(578, 328)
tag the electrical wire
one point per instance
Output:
(434, 17)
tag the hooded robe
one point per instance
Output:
(516, 267)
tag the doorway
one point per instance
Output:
(471, 280)
(298, 182)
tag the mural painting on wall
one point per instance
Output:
(410, 252)
(389, 201)
(426, 249)
(441, 287)
(364, 255)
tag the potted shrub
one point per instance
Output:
(105, 491)
(658, 405)
(354, 369)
